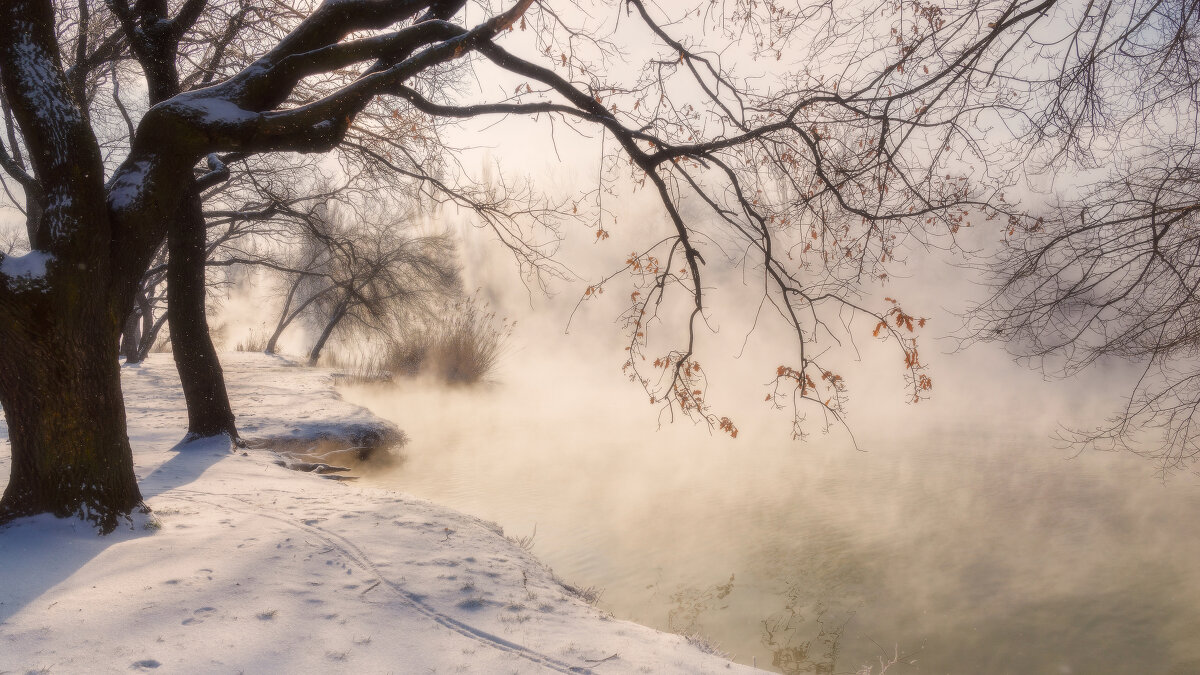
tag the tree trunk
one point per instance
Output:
(273, 343)
(131, 337)
(149, 329)
(283, 316)
(61, 318)
(338, 314)
(150, 336)
(60, 387)
(33, 218)
(148, 332)
(209, 412)
(289, 315)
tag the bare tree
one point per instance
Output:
(377, 275)
(154, 38)
(119, 41)
(11, 241)
(817, 173)
(1109, 267)
(101, 39)
(305, 284)
(351, 269)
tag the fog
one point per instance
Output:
(956, 534)
(944, 529)
(953, 535)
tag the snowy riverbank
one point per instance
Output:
(245, 566)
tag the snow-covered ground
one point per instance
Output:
(245, 566)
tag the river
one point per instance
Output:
(944, 550)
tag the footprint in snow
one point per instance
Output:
(145, 664)
(199, 615)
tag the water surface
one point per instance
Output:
(946, 550)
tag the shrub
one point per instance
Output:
(461, 345)
(256, 341)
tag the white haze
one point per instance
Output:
(962, 534)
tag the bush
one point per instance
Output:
(256, 341)
(461, 345)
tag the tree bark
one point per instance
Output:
(60, 383)
(60, 388)
(203, 380)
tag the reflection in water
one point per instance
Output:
(954, 552)
(689, 603)
(782, 632)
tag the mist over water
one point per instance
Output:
(954, 536)
(961, 539)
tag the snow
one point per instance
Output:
(32, 265)
(246, 566)
(204, 107)
(126, 186)
(37, 80)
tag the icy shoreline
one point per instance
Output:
(246, 566)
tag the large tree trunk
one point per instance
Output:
(61, 318)
(60, 387)
(209, 412)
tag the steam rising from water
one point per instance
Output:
(961, 538)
